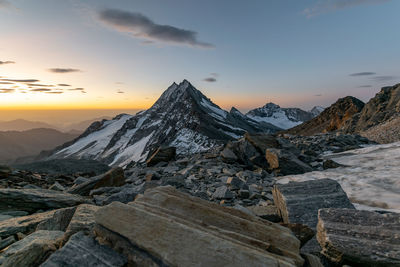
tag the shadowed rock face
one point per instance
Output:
(359, 238)
(191, 231)
(331, 119)
(383, 107)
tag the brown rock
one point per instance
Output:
(83, 220)
(269, 213)
(301, 231)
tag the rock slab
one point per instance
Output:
(299, 202)
(195, 232)
(359, 237)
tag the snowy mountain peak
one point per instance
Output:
(271, 106)
(182, 117)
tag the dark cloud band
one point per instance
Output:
(142, 27)
(21, 81)
(366, 73)
(63, 70)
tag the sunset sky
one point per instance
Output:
(101, 54)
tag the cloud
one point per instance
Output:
(326, 6)
(214, 74)
(318, 95)
(210, 79)
(6, 91)
(120, 92)
(383, 78)
(63, 70)
(40, 90)
(40, 85)
(366, 73)
(63, 84)
(365, 86)
(142, 27)
(6, 83)
(54, 92)
(6, 62)
(76, 89)
(21, 81)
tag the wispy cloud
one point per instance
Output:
(120, 92)
(318, 95)
(6, 83)
(383, 78)
(210, 79)
(366, 73)
(76, 89)
(63, 84)
(55, 92)
(326, 6)
(5, 4)
(21, 80)
(143, 27)
(40, 85)
(6, 91)
(6, 62)
(63, 70)
(41, 90)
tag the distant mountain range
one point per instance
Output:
(182, 117)
(25, 125)
(17, 144)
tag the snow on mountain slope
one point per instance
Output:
(371, 179)
(182, 117)
(284, 118)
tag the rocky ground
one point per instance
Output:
(220, 207)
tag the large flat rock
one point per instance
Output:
(90, 252)
(180, 230)
(82, 220)
(32, 200)
(299, 202)
(32, 250)
(359, 238)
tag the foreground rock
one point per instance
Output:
(299, 202)
(82, 220)
(114, 177)
(359, 238)
(32, 250)
(285, 163)
(191, 231)
(82, 250)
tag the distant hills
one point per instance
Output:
(17, 144)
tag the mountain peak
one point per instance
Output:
(271, 105)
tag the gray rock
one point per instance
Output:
(162, 154)
(359, 237)
(124, 196)
(83, 220)
(32, 200)
(5, 217)
(269, 213)
(195, 232)
(175, 181)
(80, 180)
(285, 163)
(114, 177)
(6, 242)
(59, 221)
(32, 250)
(222, 192)
(5, 171)
(228, 155)
(299, 202)
(235, 183)
(82, 250)
(57, 186)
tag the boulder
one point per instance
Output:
(113, 178)
(82, 250)
(222, 192)
(162, 154)
(57, 187)
(285, 163)
(32, 250)
(301, 231)
(59, 221)
(359, 237)
(83, 220)
(124, 196)
(24, 224)
(228, 155)
(195, 232)
(299, 202)
(6, 242)
(262, 141)
(32, 200)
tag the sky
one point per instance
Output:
(122, 54)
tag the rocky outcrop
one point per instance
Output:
(32, 200)
(82, 250)
(384, 107)
(82, 220)
(32, 250)
(299, 202)
(359, 238)
(331, 119)
(285, 163)
(191, 231)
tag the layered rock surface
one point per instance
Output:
(194, 232)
